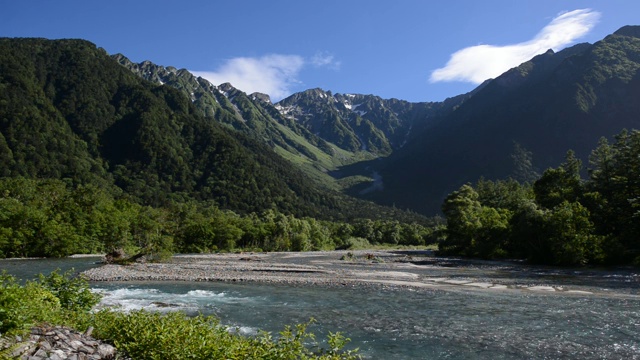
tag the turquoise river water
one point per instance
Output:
(456, 323)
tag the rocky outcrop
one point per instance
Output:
(57, 343)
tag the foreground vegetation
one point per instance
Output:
(560, 218)
(64, 300)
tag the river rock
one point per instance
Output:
(59, 342)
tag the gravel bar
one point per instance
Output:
(395, 269)
(332, 268)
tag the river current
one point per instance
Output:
(454, 323)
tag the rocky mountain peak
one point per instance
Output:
(226, 87)
(260, 97)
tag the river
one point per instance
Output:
(601, 321)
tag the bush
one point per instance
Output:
(57, 299)
(24, 306)
(149, 335)
(356, 243)
(73, 292)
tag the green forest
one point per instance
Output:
(55, 218)
(558, 219)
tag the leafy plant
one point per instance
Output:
(22, 306)
(73, 292)
(150, 335)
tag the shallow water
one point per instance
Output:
(29, 269)
(457, 323)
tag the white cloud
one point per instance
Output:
(478, 63)
(270, 74)
(273, 74)
(324, 59)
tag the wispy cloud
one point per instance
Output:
(270, 74)
(478, 63)
(273, 74)
(324, 59)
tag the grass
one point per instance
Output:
(318, 169)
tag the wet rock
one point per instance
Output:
(164, 305)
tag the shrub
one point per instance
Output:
(150, 335)
(23, 306)
(72, 291)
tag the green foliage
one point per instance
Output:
(474, 229)
(613, 194)
(561, 220)
(572, 241)
(559, 185)
(150, 335)
(56, 298)
(25, 306)
(54, 218)
(356, 243)
(72, 292)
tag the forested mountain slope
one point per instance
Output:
(521, 123)
(318, 131)
(253, 115)
(70, 111)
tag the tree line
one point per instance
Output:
(56, 218)
(560, 218)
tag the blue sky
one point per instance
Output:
(412, 50)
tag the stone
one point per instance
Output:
(21, 349)
(86, 349)
(44, 344)
(76, 344)
(541, 288)
(89, 331)
(70, 344)
(106, 350)
(41, 353)
(56, 357)
(479, 284)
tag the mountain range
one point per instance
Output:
(315, 129)
(69, 110)
(546, 106)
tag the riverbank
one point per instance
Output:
(383, 268)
